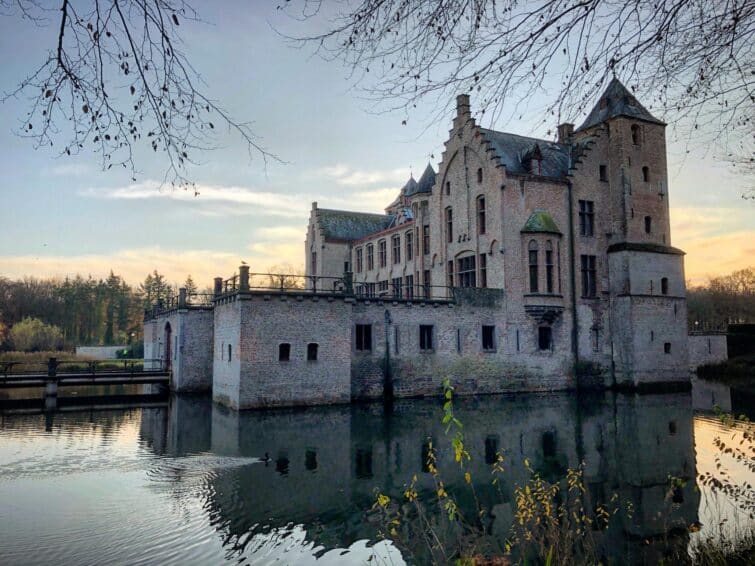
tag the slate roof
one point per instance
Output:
(345, 225)
(425, 183)
(513, 151)
(617, 101)
(540, 221)
(410, 187)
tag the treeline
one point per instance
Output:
(729, 299)
(87, 311)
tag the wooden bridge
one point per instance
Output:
(22, 374)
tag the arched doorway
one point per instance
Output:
(168, 344)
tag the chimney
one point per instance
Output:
(462, 106)
(314, 205)
(565, 132)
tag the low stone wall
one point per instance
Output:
(706, 348)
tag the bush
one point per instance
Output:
(33, 335)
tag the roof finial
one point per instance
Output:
(411, 172)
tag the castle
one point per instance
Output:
(520, 265)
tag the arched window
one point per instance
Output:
(664, 285)
(481, 224)
(533, 266)
(479, 175)
(449, 225)
(549, 266)
(646, 174)
(636, 134)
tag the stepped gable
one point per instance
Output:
(515, 153)
(347, 226)
(617, 101)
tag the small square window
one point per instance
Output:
(312, 352)
(310, 459)
(425, 337)
(544, 337)
(488, 338)
(284, 352)
(667, 347)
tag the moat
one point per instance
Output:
(187, 481)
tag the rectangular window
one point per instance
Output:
(396, 283)
(667, 347)
(425, 337)
(596, 339)
(449, 225)
(491, 449)
(359, 260)
(426, 282)
(314, 263)
(450, 274)
(396, 248)
(483, 270)
(426, 239)
(383, 287)
(544, 338)
(604, 173)
(364, 337)
(409, 246)
(467, 271)
(549, 270)
(488, 338)
(648, 225)
(533, 271)
(370, 289)
(395, 340)
(409, 286)
(586, 218)
(370, 257)
(382, 259)
(458, 340)
(589, 278)
(284, 352)
(312, 352)
(481, 227)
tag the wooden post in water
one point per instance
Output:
(51, 385)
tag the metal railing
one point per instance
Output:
(53, 368)
(174, 301)
(403, 292)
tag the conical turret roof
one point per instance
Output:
(617, 101)
(425, 183)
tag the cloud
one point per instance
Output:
(344, 175)
(134, 264)
(243, 199)
(717, 240)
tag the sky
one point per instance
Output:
(63, 215)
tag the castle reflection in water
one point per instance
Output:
(324, 464)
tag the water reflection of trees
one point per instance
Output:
(322, 466)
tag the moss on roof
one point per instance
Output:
(540, 221)
(347, 226)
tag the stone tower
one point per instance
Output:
(646, 275)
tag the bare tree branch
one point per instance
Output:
(692, 60)
(117, 77)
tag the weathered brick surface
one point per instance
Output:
(706, 348)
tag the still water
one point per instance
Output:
(189, 482)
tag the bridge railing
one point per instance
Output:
(54, 367)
